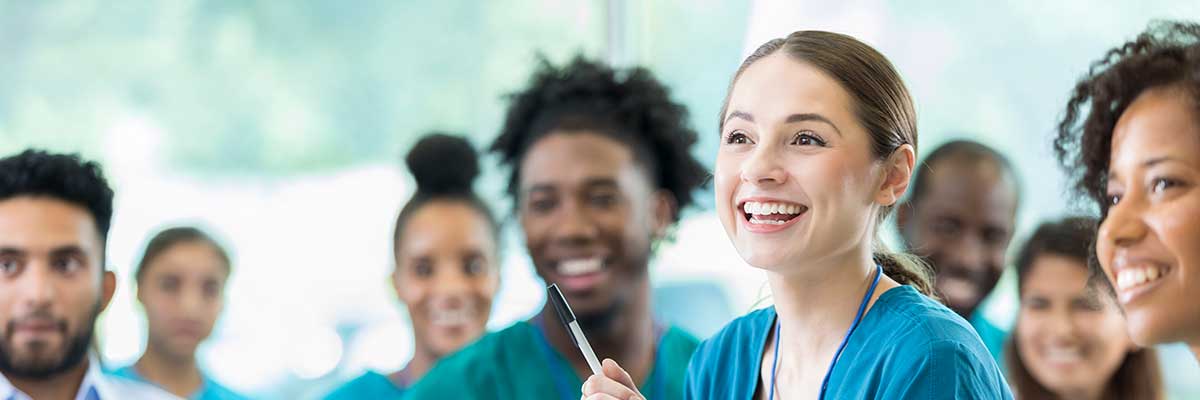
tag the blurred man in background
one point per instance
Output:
(600, 167)
(960, 219)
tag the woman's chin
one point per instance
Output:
(1146, 329)
(764, 260)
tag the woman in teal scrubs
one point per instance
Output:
(818, 142)
(181, 285)
(446, 263)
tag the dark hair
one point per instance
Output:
(168, 238)
(1138, 377)
(882, 104)
(65, 177)
(1167, 54)
(444, 168)
(958, 150)
(629, 106)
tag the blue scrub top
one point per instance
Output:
(993, 337)
(906, 347)
(371, 385)
(210, 390)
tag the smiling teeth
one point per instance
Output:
(1064, 355)
(451, 317)
(580, 266)
(1133, 277)
(754, 207)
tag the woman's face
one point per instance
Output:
(1071, 341)
(795, 179)
(447, 274)
(1147, 244)
(182, 291)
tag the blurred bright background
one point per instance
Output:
(279, 126)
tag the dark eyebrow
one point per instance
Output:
(813, 117)
(11, 252)
(540, 188)
(1156, 160)
(70, 250)
(740, 114)
(1145, 164)
(600, 183)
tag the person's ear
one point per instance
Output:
(395, 278)
(662, 213)
(897, 172)
(108, 286)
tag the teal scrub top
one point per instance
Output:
(371, 385)
(992, 336)
(210, 390)
(517, 363)
(906, 347)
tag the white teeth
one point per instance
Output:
(753, 207)
(1136, 276)
(451, 317)
(1064, 355)
(580, 266)
(766, 221)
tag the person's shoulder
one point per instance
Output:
(491, 346)
(479, 361)
(916, 319)
(678, 338)
(735, 346)
(217, 391)
(920, 335)
(752, 324)
(118, 387)
(362, 385)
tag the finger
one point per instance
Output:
(600, 396)
(614, 371)
(603, 385)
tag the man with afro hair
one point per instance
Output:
(599, 168)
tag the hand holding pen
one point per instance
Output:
(613, 384)
(608, 381)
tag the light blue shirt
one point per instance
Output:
(97, 386)
(906, 347)
(209, 389)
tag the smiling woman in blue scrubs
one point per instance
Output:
(446, 263)
(818, 142)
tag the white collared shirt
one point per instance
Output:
(97, 385)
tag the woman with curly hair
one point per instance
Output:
(599, 169)
(1130, 139)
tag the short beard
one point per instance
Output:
(601, 321)
(76, 348)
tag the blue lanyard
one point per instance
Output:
(562, 382)
(857, 318)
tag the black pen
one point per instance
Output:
(568, 319)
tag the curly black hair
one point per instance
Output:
(1166, 54)
(65, 177)
(630, 106)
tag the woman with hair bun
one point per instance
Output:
(447, 268)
